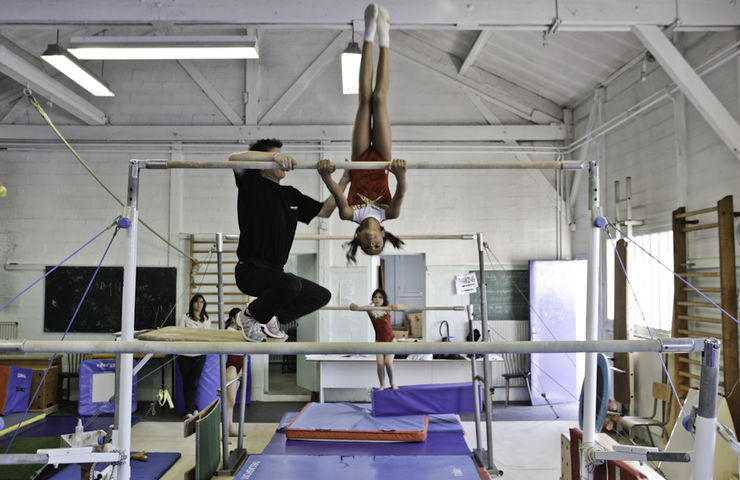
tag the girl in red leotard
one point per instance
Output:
(381, 320)
(369, 201)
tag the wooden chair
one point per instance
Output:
(516, 365)
(72, 371)
(662, 393)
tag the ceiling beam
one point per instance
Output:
(211, 92)
(691, 85)
(475, 49)
(252, 82)
(245, 133)
(539, 175)
(596, 15)
(23, 72)
(329, 54)
(14, 111)
(503, 93)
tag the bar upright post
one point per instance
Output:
(125, 361)
(706, 413)
(592, 319)
(225, 421)
(486, 363)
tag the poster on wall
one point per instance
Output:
(467, 283)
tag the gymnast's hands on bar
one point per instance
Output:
(398, 168)
(285, 162)
(353, 307)
(325, 168)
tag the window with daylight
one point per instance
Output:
(650, 293)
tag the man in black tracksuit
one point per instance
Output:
(268, 214)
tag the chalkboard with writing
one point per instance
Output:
(507, 294)
(101, 310)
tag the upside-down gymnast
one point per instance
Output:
(369, 201)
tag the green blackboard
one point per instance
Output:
(101, 310)
(507, 294)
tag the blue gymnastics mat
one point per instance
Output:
(304, 467)
(156, 465)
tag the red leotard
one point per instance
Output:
(370, 184)
(382, 326)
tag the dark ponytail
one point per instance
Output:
(354, 244)
(352, 247)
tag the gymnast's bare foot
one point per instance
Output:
(381, 387)
(393, 387)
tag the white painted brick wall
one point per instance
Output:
(644, 149)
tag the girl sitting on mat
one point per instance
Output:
(369, 201)
(381, 320)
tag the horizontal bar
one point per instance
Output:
(697, 333)
(689, 361)
(58, 456)
(233, 237)
(706, 226)
(703, 290)
(697, 274)
(699, 319)
(305, 165)
(24, 459)
(667, 345)
(695, 212)
(400, 308)
(696, 304)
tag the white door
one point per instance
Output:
(404, 281)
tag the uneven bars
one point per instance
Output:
(401, 308)
(231, 238)
(665, 345)
(305, 165)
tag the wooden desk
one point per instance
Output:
(359, 371)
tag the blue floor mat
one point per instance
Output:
(156, 465)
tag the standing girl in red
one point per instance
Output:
(381, 320)
(369, 201)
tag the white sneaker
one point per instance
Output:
(251, 330)
(271, 329)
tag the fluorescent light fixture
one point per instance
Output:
(164, 48)
(351, 69)
(65, 63)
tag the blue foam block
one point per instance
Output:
(424, 399)
(305, 467)
(88, 370)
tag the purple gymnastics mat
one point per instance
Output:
(305, 467)
(444, 437)
(424, 399)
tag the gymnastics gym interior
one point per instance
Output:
(564, 303)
